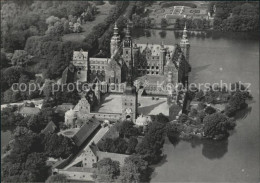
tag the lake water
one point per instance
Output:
(229, 57)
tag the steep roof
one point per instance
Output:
(64, 107)
(155, 48)
(29, 110)
(114, 156)
(85, 131)
(80, 55)
(50, 128)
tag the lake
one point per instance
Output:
(229, 57)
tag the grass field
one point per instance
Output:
(87, 28)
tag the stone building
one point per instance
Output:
(147, 59)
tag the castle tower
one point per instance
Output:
(80, 62)
(129, 97)
(97, 93)
(185, 45)
(162, 59)
(115, 41)
(127, 47)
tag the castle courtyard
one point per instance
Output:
(147, 106)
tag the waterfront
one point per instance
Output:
(229, 57)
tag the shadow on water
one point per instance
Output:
(242, 114)
(163, 34)
(153, 167)
(211, 149)
(196, 70)
(214, 149)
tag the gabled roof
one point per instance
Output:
(29, 110)
(155, 48)
(114, 156)
(50, 128)
(86, 131)
(80, 55)
(64, 107)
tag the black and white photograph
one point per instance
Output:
(130, 91)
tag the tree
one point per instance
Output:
(106, 170)
(160, 118)
(58, 146)
(193, 112)
(164, 23)
(107, 145)
(127, 129)
(174, 111)
(36, 168)
(9, 117)
(19, 57)
(201, 106)
(183, 118)
(217, 125)
(61, 178)
(52, 20)
(12, 75)
(210, 110)
(134, 170)
(199, 95)
(39, 121)
(77, 28)
(4, 61)
(132, 143)
(150, 146)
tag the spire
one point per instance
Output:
(184, 36)
(115, 29)
(127, 30)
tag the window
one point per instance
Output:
(152, 67)
(126, 52)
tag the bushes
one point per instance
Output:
(217, 124)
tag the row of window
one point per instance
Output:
(153, 58)
(98, 62)
(97, 67)
(152, 72)
(129, 104)
(148, 67)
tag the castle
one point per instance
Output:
(128, 61)
(146, 59)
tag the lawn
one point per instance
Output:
(87, 28)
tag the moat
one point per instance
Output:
(229, 57)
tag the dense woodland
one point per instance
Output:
(235, 16)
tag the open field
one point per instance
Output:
(87, 28)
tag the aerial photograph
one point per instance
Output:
(130, 91)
